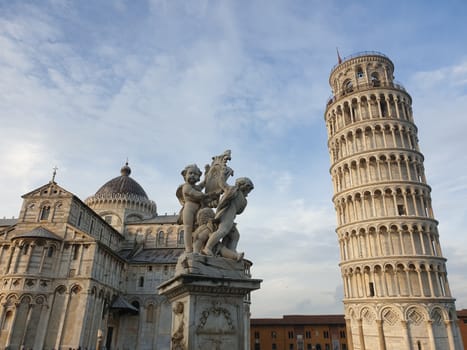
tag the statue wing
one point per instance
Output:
(181, 199)
(213, 178)
(179, 194)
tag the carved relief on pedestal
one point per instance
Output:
(216, 329)
(215, 319)
(178, 335)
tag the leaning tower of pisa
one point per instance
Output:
(396, 293)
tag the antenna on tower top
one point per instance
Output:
(339, 59)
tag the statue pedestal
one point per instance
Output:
(210, 303)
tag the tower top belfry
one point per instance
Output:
(396, 292)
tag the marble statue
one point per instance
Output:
(232, 203)
(206, 228)
(211, 279)
(208, 232)
(192, 199)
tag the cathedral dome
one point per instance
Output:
(123, 185)
(122, 200)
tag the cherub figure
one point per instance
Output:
(205, 219)
(232, 203)
(192, 199)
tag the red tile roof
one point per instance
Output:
(300, 320)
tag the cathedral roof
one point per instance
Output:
(8, 222)
(39, 232)
(157, 255)
(122, 185)
(121, 304)
(159, 219)
(300, 320)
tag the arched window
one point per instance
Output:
(45, 212)
(75, 252)
(50, 252)
(150, 314)
(348, 86)
(7, 321)
(375, 79)
(141, 281)
(160, 238)
(135, 304)
(359, 73)
(181, 237)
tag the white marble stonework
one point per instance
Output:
(209, 297)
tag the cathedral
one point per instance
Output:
(84, 275)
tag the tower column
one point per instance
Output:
(430, 282)
(393, 134)
(382, 343)
(397, 105)
(405, 329)
(422, 240)
(412, 242)
(348, 327)
(360, 334)
(431, 338)
(399, 167)
(409, 282)
(415, 206)
(420, 282)
(360, 105)
(401, 240)
(378, 102)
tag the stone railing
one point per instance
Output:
(363, 87)
(359, 54)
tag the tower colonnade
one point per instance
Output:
(396, 291)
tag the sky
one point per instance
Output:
(86, 85)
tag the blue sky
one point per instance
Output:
(86, 84)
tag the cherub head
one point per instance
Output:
(244, 184)
(204, 215)
(191, 174)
